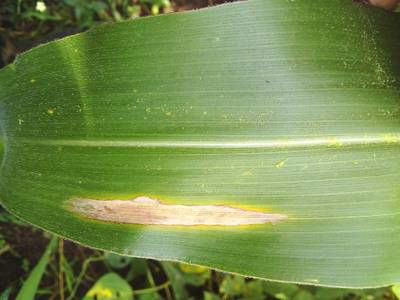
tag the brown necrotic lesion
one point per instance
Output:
(148, 211)
(387, 4)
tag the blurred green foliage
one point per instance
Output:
(30, 286)
(20, 14)
(26, 23)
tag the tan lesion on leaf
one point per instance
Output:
(148, 211)
(388, 4)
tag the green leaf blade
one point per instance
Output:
(275, 106)
(30, 286)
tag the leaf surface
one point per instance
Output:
(273, 107)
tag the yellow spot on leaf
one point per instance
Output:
(281, 163)
(192, 269)
(51, 111)
(334, 142)
(391, 138)
(101, 293)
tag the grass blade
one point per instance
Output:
(31, 284)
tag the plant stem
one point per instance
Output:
(85, 265)
(61, 268)
(5, 249)
(152, 289)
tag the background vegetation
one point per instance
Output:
(75, 272)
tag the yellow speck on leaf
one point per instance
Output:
(334, 142)
(33, 80)
(51, 111)
(281, 163)
(168, 113)
(247, 173)
(391, 138)
(101, 293)
(192, 269)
